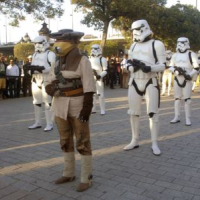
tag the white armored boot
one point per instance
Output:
(177, 107)
(94, 104)
(193, 86)
(188, 113)
(169, 90)
(69, 168)
(154, 128)
(48, 116)
(135, 133)
(38, 116)
(163, 89)
(102, 105)
(86, 173)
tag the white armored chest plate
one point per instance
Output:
(96, 65)
(182, 60)
(40, 59)
(143, 52)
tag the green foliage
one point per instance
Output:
(39, 9)
(99, 13)
(22, 51)
(168, 24)
(111, 47)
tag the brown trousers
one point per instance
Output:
(70, 127)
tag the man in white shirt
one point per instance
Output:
(12, 74)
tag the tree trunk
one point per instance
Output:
(104, 36)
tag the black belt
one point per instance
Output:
(180, 85)
(148, 83)
(136, 87)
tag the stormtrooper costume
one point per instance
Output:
(188, 61)
(143, 81)
(99, 66)
(46, 58)
(196, 76)
(167, 75)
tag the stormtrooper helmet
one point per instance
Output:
(168, 54)
(41, 44)
(183, 44)
(141, 30)
(95, 50)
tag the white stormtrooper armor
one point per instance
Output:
(167, 75)
(188, 61)
(46, 58)
(144, 81)
(196, 76)
(99, 66)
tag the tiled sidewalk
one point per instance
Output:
(31, 160)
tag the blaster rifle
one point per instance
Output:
(137, 64)
(183, 72)
(33, 68)
(98, 77)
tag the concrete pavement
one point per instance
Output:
(30, 160)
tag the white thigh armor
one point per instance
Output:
(100, 88)
(150, 87)
(185, 91)
(167, 76)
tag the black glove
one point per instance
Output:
(87, 107)
(133, 64)
(130, 62)
(188, 77)
(39, 70)
(98, 77)
(146, 69)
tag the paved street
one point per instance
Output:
(31, 160)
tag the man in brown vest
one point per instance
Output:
(72, 86)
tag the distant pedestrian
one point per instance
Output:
(12, 73)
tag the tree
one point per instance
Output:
(39, 9)
(22, 51)
(167, 24)
(99, 13)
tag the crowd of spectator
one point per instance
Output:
(117, 73)
(15, 81)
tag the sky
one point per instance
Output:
(70, 19)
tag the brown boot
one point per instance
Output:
(83, 186)
(64, 179)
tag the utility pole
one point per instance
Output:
(6, 29)
(196, 4)
(72, 15)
